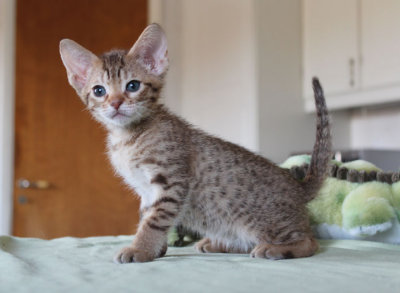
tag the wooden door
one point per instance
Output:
(56, 140)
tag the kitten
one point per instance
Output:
(240, 201)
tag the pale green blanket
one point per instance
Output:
(85, 265)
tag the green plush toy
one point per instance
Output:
(180, 236)
(357, 201)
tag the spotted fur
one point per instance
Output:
(239, 201)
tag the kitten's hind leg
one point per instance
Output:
(303, 248)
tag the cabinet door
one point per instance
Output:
(330, 47)
(380, 41)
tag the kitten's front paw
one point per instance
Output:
(206, 246)
(202, 244)
(264, 251)
(130, 254)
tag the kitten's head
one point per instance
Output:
(119, 88)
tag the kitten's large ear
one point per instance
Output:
(78, 61)
(151, 49)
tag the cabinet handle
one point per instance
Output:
(352, 63)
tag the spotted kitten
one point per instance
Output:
(240, 201)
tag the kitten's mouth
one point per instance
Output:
(118, 114)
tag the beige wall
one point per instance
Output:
(212, 77)
(236, 72)
(219, 68)
(284, 126)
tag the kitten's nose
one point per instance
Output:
(116, 103)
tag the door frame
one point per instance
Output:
(7, 102)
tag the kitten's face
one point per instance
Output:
(119, 88)
(120, 91)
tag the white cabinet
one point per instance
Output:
(353, 46)
(380, 42)
(330, 47)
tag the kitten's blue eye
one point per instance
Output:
(99, 91)
(133, 86)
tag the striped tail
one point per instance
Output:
(322, 151)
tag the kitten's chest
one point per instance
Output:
(123, 160)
